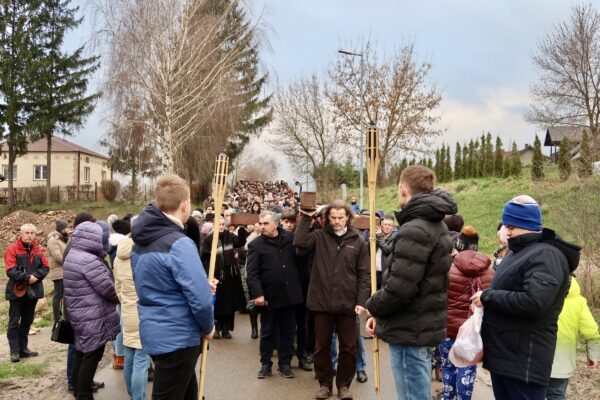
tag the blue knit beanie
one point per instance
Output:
(523, 212)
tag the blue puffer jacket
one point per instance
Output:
(174, 297)
(90, 295)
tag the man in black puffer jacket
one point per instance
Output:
(523, 303)
(412, 305)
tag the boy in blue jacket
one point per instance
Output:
(175, 299)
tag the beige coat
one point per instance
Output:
(55, 255)
(127, 295)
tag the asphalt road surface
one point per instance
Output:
(231, 375)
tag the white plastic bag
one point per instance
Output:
(468, 347)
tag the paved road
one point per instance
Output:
(232, 368)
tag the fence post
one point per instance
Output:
(95, 191)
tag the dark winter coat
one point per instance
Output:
(412, 305)
(386, 244)
(469, 273)
(273, 270)
(90, 295)
(522, 305)
(340, 277)
(21, 261)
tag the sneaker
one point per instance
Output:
(323, 393)
(286, 371)
(304, 365)
(96, 386)
(14, 357)
(361, 377)
(265, 372)
(27, 353)
(344, 393)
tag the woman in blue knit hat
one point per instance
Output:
(522, 305)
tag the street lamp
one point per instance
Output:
(362, 156)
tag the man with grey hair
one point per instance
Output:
(274, 284)
(26, 266)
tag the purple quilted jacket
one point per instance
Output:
(90, 295)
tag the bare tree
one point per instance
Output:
(172, 51)
(304, 129)
(260, 168)
(568, 92)
(392, 92)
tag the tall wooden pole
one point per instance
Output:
(372, 150)
(219, 185)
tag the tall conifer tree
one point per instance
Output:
(537, 162)
(564, 159)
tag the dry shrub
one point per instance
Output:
(110, 190)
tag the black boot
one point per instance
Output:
(254, 323)
(226, 334)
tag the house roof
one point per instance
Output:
(58, 146)
(555, 135)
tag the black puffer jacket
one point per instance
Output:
(522, 305)
(412, 305)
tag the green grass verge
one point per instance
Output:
(21, 369)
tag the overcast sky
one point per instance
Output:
(480, 51)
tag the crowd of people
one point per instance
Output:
(307, 274)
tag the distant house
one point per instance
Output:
(72, 165)
(525, 154)
(555, 135)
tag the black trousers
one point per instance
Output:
(84, 369)
(20, 318)
(310, 333)
(277, 327)
(301, 332)
(175, 375)
(512, 389)
(59, 291)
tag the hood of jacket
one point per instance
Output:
(124, 248)
(574, 289)
(151, 225)
(56, 235)
(88, 237)
(430, 206)
(471, 263)
(570, 250)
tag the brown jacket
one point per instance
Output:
(56, 250)
(340, 278)
(467, 267)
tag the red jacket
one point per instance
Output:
(470, 271)
(22, 261)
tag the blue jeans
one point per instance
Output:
(557, 389)
(411, 366)
(70, 357)
(458, 382)
(361, 363)
(118, 342)
(136, 372)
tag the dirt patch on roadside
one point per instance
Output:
(52, 385)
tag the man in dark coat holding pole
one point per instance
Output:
(274, 284)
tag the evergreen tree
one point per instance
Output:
(516, 167)
(430, 163)
(498, 158)
(442, 175)
(20, 25)
(482, 156)
(489, 155)
(465, 161)
(448, 166)
(537, 162)
(438, 165)
(59, 90)
(564, 159)
(403, 164)
(584, 166)
(472, 160)
(413, 161)
(458, 168)
(251, 79)
(506, 166)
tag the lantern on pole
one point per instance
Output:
(372, 153)
(219, 186)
